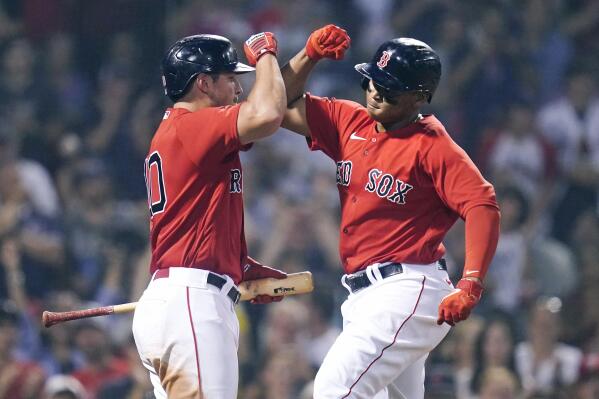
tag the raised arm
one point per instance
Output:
(329, 41)
(261, 115)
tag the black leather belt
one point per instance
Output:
(213, 279)
(359, 280)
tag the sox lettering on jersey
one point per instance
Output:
(383, 186)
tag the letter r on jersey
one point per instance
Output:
(235, 185)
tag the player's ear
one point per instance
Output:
(204, 83)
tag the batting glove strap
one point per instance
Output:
(473, 288)
(258, 45)
(329, 41)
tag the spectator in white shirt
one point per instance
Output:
(544, 364)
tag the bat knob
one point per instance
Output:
(47, 320)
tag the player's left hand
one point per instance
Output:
(457, 306)
(254, 270)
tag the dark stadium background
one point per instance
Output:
(81, 96)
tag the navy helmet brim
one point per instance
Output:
(378, 76)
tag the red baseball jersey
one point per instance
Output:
(193, 178)
(400, 190)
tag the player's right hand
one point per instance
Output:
(457, 306)
(254, 270)
(330, 41)
(259, 44)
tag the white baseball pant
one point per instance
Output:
(389, 328)
(187, 335)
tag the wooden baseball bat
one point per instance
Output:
(293, 284)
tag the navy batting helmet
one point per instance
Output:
(197, 54)
(401, 65)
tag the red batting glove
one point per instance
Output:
(254, 270)
(329, 41)
(457, 306)
(258, 45)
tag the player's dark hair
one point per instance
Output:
(214, 77)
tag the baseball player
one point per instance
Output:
(185, 326)
(402, 182)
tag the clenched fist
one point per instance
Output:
(329, 41)
(259, 44)
(457, 306)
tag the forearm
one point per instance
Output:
(482, 235)
(268, 94)
(330, 42)
(295, 75)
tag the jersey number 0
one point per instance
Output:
(155, 183)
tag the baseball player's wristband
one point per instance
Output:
(473, 288)
(312, 53)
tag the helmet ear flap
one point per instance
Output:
(364, 83)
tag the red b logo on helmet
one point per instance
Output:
(384, 59)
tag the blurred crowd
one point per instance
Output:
(81, 98)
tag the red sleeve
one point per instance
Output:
(323, 115)
(458, 182)
(482, 235)
(210, 133)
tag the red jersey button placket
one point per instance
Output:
(369, 144)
